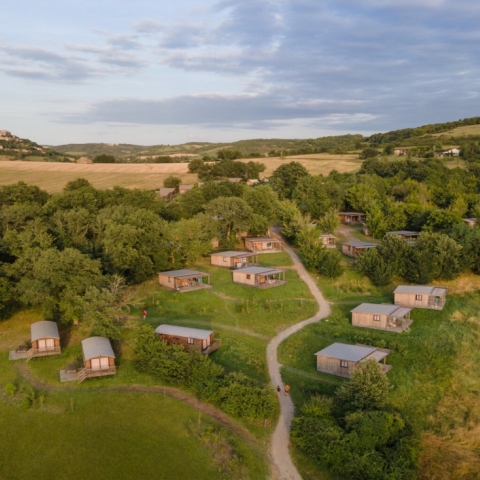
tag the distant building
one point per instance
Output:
(184, 188)
(355, 247)
(197, 339)
(352, 217)
(263, 244)
(420, 296)
(233, 259)
(166, 193)
(405, 234)
(259, 277)
(393, 318)
(235, 180)
(184, 280)
(341, 359)
(471, 222)
(328, 240)
(400, 151)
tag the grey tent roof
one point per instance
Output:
(185, 187)
(351, 213)
(258, 270)
(471, 219)
(235, 179)
(43, 329)
(97, 347)
(165, 191)
(327, 235)
(343, 351)
(262, 239)
(381, 309)
(358, 243)
(188, 332)
(233, 253)
(183, 273)
(403, 232)
(421, 290)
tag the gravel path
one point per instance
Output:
(283, 466)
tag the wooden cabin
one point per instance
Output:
(410, 237)
(382, 317)
(341, 359)
(354, 248)
(235, 179)
(45, 340)
(202, 341)
(98, 358)
(233, 259)
(471, 222)
(184, 188)
(263, 244)
(328, 240)
(419, 296)
(259, 277)
(184, 280)
(166, 193)
(352, 217)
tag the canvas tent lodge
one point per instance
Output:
(98, 358)
(382, 317)
(45, 340)
(420, 296)
(184, 280)
(471, 222)
(263, 244)
(340, 359)
(328, 240)
(352, 217)
(233, 259)
(197, 339)
(259, 277)
(405, 234)
(352, 249)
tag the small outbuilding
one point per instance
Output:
(45, 339)
(263, 244)
(328, 240)
(341, 359)
(352, 217)
(234, 259)
(98, 358)
(471, 222)
(166, 193)
(197, 339)
(184, 188)
(184, 280)
(259, 277)
(355, 247)
(393, 318)
(420, 296)
(410, 237)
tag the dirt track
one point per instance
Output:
(284, 468)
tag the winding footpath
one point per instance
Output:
(284, 468)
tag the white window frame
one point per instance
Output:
(376, 318)
(343, 364)
(418, 298)
(190, 341)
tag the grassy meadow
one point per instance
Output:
(123, 434)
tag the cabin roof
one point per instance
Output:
(343, 351)
(164, 191)
(470, 219)
(186, 187)
(358, 243)
(327, 235)
(97, 347)
(235, 179)
(187, 332)
(381, 309)
(421, 290)
(262, 239)
(183, 273)
(44, 329)
(403, 232)
(258, 270)
(351, 213)
(233, 253)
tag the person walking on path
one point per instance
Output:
(278, 390)
(144, 313)
(287, 389)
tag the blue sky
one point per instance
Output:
(150, 72)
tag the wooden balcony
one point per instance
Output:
(89, 373)
(212, 347)
(35, 352)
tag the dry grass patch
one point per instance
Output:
(318, 163)
(460, 131)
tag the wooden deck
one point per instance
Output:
(35, 352)
(191, 288)
(212, 347)
(85, 373)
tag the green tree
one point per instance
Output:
(172, 182)
(311, 197)
(329, 222)
(263, 200)
(285, 178)
(331, 265)
(311, 247)
(291, 219)
(376, 221)
(371, 264)
(104, 158)
(195, 165)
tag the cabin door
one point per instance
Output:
(42, 345)
(95, 364)
(104, 363)
(205, 343)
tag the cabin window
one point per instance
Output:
(376, 318)
(248, 276)
(224, 259)
(169, 279)
(343, 364)
(418, 297)
(190, 341)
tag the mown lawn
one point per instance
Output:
(434, 376)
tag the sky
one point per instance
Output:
(151, 72)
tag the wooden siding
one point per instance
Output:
(427, 301)
(351, 251)
(247, 278)
(198, 344)
(56, 343)
(366, 320)
(332, 366)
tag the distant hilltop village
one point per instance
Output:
(6, 135)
